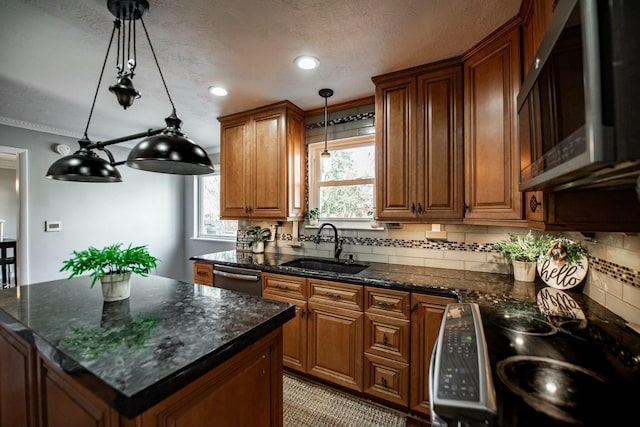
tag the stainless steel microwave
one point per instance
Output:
(579, 105)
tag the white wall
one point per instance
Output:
(147, 208)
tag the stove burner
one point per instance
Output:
(563, 391)
(525, 324)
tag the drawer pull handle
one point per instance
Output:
(332, 295)
(282, 287)
(385, 304)
(384, 339)
(384, 382)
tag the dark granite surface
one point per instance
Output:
(136, 352)
(584, 333)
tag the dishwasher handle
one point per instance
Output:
(245, 277)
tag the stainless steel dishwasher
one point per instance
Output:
(237, 279)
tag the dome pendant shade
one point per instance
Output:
(170, 152)
(125, 92)
(83, 166)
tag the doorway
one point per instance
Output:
(13, 163)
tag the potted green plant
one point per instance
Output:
(524, 251)
(313, 215)
(113, 266)
(258, 236)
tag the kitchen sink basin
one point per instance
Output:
(326, 265)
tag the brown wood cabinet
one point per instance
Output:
(386, 345)
(426, 317)
(203, 273)
(244, 390)
(419, 143)
(262, 171)
(18, 402)
(293, 290)
(491, 82)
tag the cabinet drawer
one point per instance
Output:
(387, 337)
(386, 379)
(387, 302)
(336, 294)
(287, 286)
(203, 273)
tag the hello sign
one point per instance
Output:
(561, 275)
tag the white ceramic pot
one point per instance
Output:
(524, 271)
(257, 247)
(116, 287)
(313, 221)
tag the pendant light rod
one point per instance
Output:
(100, 144)
(325, 93)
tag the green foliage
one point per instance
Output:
(524, 248)
(573, 251)
(313, 213)
(110, 260)
(258, 234)
(93, 342)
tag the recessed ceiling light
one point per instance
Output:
(218, 91)
(307, 62)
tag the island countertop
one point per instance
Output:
(138, 351)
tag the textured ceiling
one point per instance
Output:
(52, 50)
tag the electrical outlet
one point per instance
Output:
(435, 235)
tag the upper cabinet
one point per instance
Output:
(262, 155)
(419, 143)
(491, 83)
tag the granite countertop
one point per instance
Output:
(486, 289)
(167, 334)
(459, 284)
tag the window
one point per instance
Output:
(343, 186)
(209, 223)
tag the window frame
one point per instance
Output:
(314, 165)
(199, 217)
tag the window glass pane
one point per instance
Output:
(350, 163)
(210, 223)
(346, 201)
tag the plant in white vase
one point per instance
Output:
(258, 236)
(524, 251)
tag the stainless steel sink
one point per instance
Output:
(326, 265)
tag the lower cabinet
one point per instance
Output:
(244, 390)
(426, 317)
(203, 273)
(376, 342)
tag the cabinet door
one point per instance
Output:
(235, 156)
(268, 191)
(492, 81)
(396, 157)
(203, 273)
(440, 144)
(294, 334)
(17, 382)
(335, 345)
(426, 316)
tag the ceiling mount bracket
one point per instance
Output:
(128, 9)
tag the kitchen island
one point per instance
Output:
(173, 353)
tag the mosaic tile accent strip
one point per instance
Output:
(618, 272)
(339, 120)
(615, 271)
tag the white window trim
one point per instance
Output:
(315, 168)
(198, 222)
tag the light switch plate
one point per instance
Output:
(52, 226)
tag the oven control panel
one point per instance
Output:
(460, 376)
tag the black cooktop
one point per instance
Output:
(557, 366)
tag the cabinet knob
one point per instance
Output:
(413, 207)
(384, 382)
(419, 208)
(384, 339)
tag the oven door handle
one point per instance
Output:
(245, 277)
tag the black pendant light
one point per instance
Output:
(164, 150)
(325, 156)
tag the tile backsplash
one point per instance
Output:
(613, 279)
